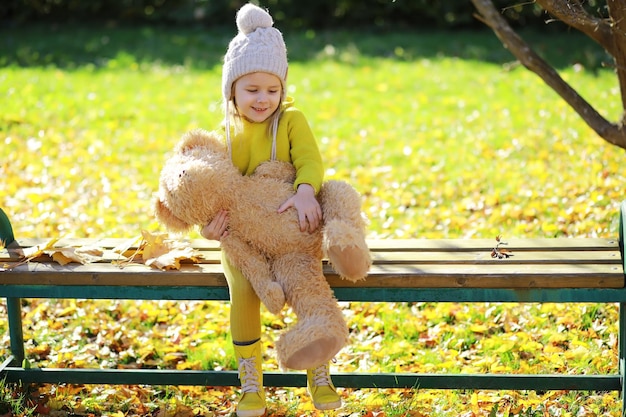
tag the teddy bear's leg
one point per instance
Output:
(256, 269)
(321, 330)
(344, 230)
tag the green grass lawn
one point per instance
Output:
(441, 132)
(441, 135)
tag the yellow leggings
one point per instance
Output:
(245, 306)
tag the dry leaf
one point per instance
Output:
(163, 253)
(125, 246)
(69, 254)
(124, 250)
(28, 254)
(62, 256)
(499, 253)
(94, 251)
(36, 251)
(171, 259)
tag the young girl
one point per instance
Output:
(261, 124)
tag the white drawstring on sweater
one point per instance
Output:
(228, 142)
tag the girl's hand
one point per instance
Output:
(309, 210)
(218, 228)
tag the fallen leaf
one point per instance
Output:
(69, 254)
(125, 246)
(170, 258)
(36, 251)
(160, 252)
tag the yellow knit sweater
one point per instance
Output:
(295, 143)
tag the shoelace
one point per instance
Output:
(248, 375)
(321, 377)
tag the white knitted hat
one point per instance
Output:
(258, 47)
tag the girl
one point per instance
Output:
(262, 124)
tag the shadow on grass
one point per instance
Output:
(200, 48)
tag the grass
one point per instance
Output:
(442, 134)
(440, 137)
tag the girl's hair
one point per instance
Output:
(231, 114)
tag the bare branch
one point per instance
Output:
(574, 14)
(612, 133)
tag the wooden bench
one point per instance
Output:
(556, 270)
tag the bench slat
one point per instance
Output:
(609, 256)
(387, 245)
(604, 256)
(516, 245)
(497, 275)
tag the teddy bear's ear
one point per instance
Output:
(165, 216)
(199, 138)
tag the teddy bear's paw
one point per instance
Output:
(351, 262)
(313, 354)
(274, 298)
(346, 248)
(313, 341)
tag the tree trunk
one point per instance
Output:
(617, 11)
(608, 34)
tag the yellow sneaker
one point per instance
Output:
(252, 401)
(321, 389)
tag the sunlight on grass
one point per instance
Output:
(439, 147)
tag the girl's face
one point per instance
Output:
(257, 95)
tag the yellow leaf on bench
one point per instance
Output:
(35, 251)
(170, 258)
(163, 253)
(72, 254)
(124, 248)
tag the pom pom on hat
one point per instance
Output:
(251, 17)
(258, 47)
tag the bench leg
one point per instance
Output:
(622, 353)
(14, 310)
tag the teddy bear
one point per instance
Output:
(282, 263)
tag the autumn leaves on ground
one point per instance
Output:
(441, 134)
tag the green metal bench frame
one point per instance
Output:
(6, 231)
(13, 371)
